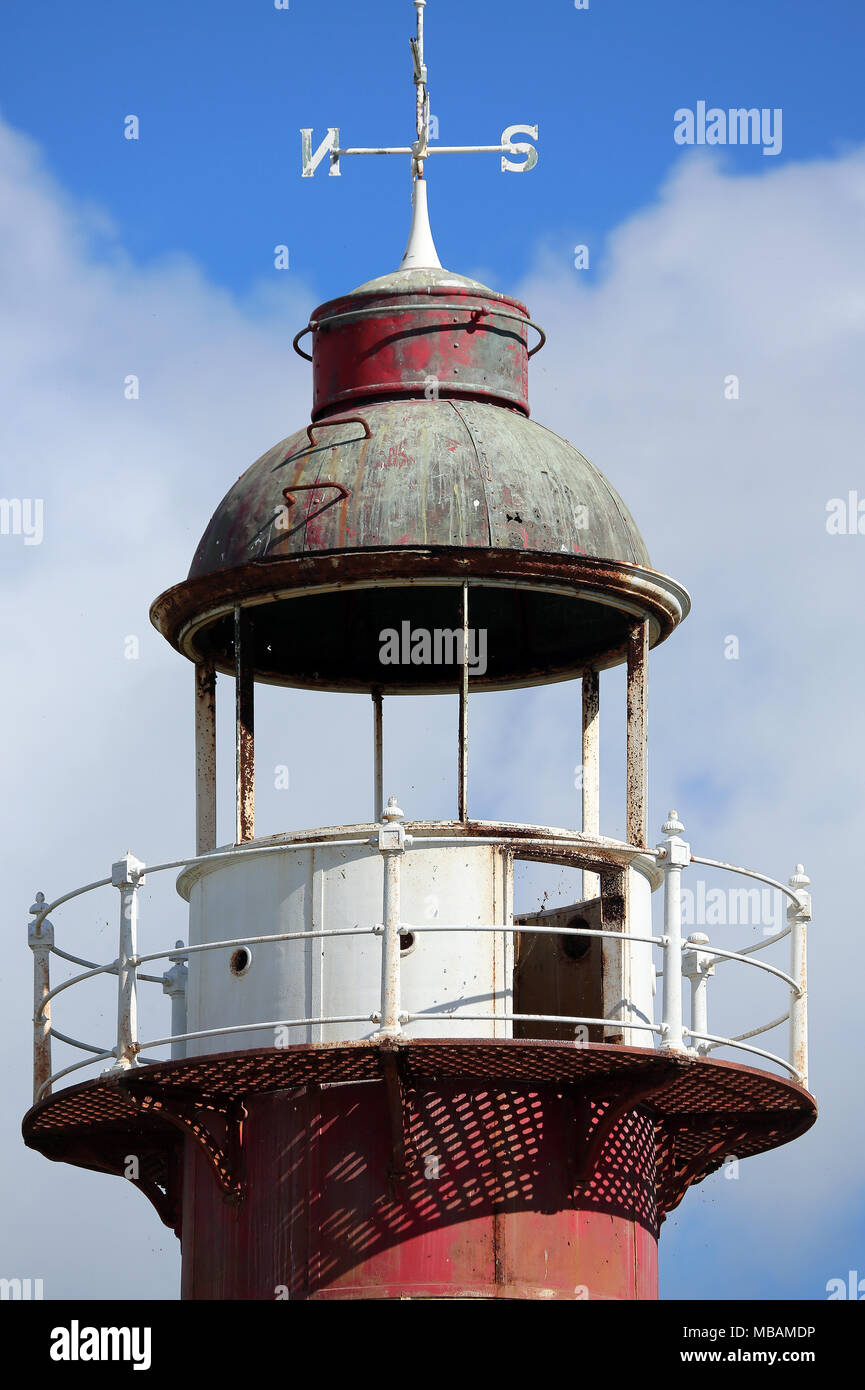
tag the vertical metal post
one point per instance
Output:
(799, 919)
(391, 843)
(464, 714)
(40, 939)
(590, 770)
(637, 751)
(677, 855)
(698, 967)
(205, 757)
(127, 875)
(378, 755)
(174, 983)
(245, 723)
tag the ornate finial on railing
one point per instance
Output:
(391, 811)
(800, 883)
(672, 825)
(38, 911)
(40, 930)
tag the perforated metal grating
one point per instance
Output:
(700, 1109)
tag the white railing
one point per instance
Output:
(694, 959)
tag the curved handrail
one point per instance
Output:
(745, 1047)
(670, 856)
(746, 873)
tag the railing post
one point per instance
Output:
(174, 985)
(391, 843)
(698, 966)
(40, 939)
(377, 755)
(127, 875)
(677, 853)
(799, 917)
(590, 778)
(205, 757)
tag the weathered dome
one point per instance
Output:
(431, 473)
(420, 472)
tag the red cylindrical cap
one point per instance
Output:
(402, 337)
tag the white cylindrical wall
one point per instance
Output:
(628, 969)
(315, 888)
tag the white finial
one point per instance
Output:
(800, 879)
(392, 811)
(420, 251)
(672, 825)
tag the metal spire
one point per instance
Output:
(420, 251)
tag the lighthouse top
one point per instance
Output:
(420, 252)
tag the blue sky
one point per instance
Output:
(156, 257)
(222, 89)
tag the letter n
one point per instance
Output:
(311, 161)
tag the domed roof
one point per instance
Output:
(420, 474)
(431, 473)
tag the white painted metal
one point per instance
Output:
(127, 874)
(637, 970)
(391, 845)
(174, 984)
(457, 973)
(799, 917)
(420, 251)
(698, 966)
(590, 769)
(678, 854)
(315, 888)
(40, 939)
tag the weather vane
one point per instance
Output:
(422, 148)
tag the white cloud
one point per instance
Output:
(757, 276)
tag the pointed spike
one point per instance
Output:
(420, 252)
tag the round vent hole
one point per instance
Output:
(241, 960)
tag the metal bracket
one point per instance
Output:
(391, 1059)
(621, 1103)
(214, 1122)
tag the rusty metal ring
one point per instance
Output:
(295, 343)
(376, 310)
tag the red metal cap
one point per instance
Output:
(420, 333)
